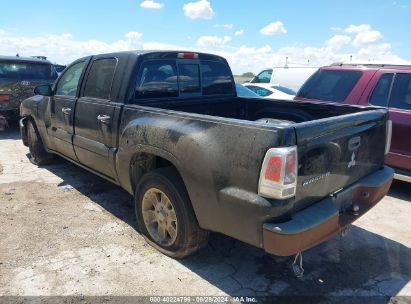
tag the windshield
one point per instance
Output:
(27, 70)
(330, 85)
(284, 90)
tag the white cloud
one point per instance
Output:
(273, 28)
(64, 48)
(357, 28)
(364, 34)
(207, 41)
(338, 41)
(198, 10)
(228, 26)
(133, 35)
(366, 37)
(239, 33)
(151, 4)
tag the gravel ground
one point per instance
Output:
(64, 231)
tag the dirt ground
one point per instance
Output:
(64, 231)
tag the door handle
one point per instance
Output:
(66, 111)
(104, 119)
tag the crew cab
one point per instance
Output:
(383, 85)
(169, 128)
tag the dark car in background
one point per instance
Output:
(384, 85)
(18, 77)
(59, 68)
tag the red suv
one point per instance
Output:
(370, 84)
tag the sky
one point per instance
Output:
(251, 35)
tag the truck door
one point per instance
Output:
(97, 117)
(62, 106)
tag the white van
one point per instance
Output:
(292, 77)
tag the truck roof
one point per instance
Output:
(376, 65)
(164, 54)
(24, 59)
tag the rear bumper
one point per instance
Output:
(323, 220)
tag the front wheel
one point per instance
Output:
(38, 154)
(165, 215)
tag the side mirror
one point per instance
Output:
(44, 90)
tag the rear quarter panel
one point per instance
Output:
(210, 153)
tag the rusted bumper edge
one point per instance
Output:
(323, 220)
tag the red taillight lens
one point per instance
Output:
(273, 171)
(5, 97)
(278, 177)
(187, 55)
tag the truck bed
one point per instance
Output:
(253, 109)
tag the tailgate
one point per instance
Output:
(336, 152)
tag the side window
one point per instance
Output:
(189, 78)
(401, 92)
(265, 76)
(330, 85)
(157, 78)
(260, 91)
(100, 78)
(379, 96)
(216, 78)
(68, 83)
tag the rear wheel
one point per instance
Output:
(165, 215)
(38, 155)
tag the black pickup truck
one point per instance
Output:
(170, 129)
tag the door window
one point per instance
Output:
(379, 96)
(68, 83)
(401, 92)
(260, 91)
(100, 78)
(265, 76)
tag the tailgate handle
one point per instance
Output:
(354, 143)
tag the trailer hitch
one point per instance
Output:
(297, 265)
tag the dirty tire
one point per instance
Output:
(190, 237)
(38, 155)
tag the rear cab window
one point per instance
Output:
(163, 78)
(330, 85)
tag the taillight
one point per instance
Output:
(388, 137)
(187, 55)
(278, 177)
(5, 97)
